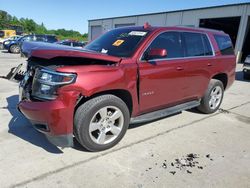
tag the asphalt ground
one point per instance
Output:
(188, 149)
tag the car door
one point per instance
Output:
(162, 79)
(198, 65)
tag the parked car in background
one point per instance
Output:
(14, 46)
(127, 75)
(7, 40)
(246, 68)
(6, 33)
(73, 43)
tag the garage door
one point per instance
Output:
(124, 25)
(96, 31)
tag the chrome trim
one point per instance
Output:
(164, 59)
(177, 58)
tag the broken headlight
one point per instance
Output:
(46, 83)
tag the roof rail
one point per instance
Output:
(201, 28)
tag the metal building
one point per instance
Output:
(233, 19)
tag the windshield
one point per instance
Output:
(119, 42)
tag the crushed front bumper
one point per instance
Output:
(53, 118)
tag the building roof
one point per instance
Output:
(155, 13)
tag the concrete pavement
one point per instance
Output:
(150, 155)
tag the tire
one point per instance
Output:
(101, 122)
(15, 49)
(246, 76)
(213, 97)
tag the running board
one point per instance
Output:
(164, 112)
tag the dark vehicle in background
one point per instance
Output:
(8, 40)
(75, 44)
(14, 46)
(246, 68)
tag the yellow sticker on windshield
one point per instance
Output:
(118, 42)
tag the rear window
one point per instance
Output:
(224, 44)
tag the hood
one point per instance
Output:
(54, 56)
(50, 51)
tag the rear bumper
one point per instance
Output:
(53, 118)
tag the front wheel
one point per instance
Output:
(15, 49)
(101, 122)
(212, 99)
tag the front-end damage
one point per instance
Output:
(43, 99)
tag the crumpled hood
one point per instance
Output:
(50, 51)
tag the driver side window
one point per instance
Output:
(171, 42)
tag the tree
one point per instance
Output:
(30, 26)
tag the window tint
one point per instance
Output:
(171, 42)
(67, 43)
(224, 44)
(39, 38)
(207, 46)
(194, 44)
(77, 44)
(26, 38)
(51, 39)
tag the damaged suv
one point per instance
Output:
(127, 75)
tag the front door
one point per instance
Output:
(162, 78)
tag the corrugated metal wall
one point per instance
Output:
(186, 17)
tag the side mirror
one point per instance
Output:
(156, 53)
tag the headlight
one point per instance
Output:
(46, 83)
(6, 42)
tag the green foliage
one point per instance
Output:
(30, 26)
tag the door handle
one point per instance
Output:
(209, 64)
(179, 68)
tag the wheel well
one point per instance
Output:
(223, 78)
(122, 94)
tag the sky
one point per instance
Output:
(74, 14)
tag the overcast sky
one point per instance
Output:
(75, 14)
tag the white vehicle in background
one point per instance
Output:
(8, 39)
(246, 68)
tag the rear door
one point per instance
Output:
(198, 65)
(181, 76)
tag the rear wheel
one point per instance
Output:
(15, 49)
(101, 122)
(246, 76)
(212, 98)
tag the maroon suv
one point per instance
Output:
(127, 75)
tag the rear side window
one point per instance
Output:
(224, 44)
(207, 46)
(193, 43)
